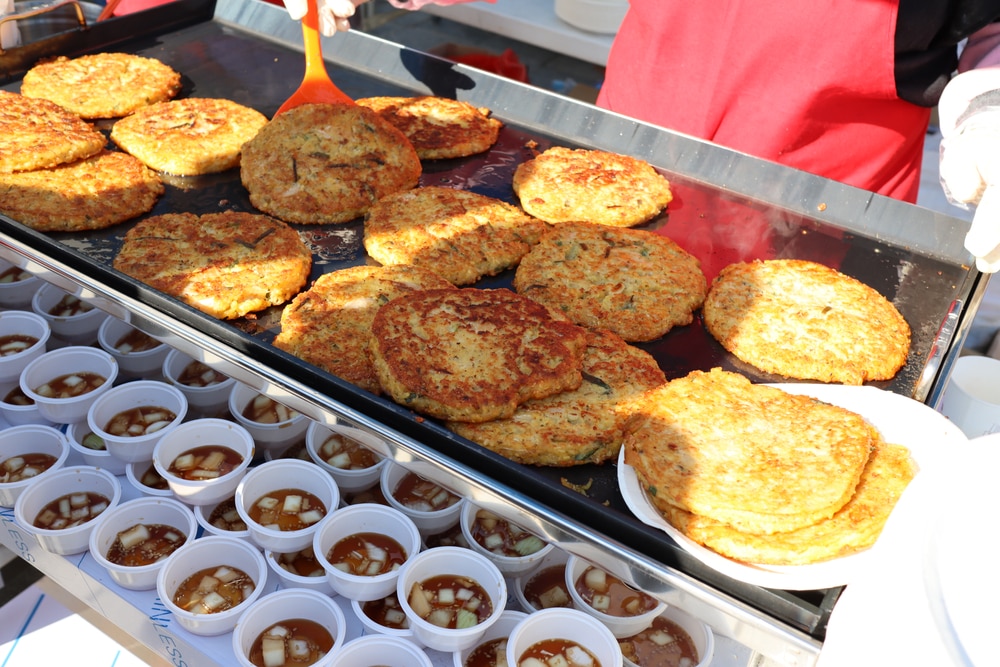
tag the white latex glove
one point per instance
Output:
(969, 113)
(334, 15)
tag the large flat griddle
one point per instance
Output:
(728, 207)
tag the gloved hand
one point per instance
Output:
(969, 113)
(334, 15)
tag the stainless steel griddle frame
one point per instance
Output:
(789, 631)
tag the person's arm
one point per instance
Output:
(969, 117)
(335, 15)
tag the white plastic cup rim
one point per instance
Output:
(318, 583)
(140, 393)
(197, 433)
(383, 630)
(61, 361)
(620, 626)
(26, 439)
(428, 522)
(283, 605)
(134, 472)
(364, 518)
(205, 552)
(569, 624)
(208, 398)
(146, 510)
(509, 565)
(284, 474)
(75, 539)
(100, 458)
(451, 561)
(140, 362)
(382, 650)
(553, 558)
(349, 481)
(13, 322)
(700, 633)
(502, 628)
(202, 514)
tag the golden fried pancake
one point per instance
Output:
(188, 137)
(853, 528)
(92, 193)
(225, 264)
(635, 283)
(438, 127)
(460, 235)
(329, 325)
(804, 320)
(750, 456)
(102, 85)
(326, 163)
(36, 134)
(472, 354)
(584, 425)
(565, 185)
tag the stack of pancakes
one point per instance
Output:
(761, 475)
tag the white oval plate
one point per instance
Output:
(899, 419)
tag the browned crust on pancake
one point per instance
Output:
(804, 320)
(93, 193)
(460, 235)
(102, 85)
(438, 127)
(855, 527)
(565, 185)
(754, 457)
(224, 264)
(635, 283)
(329, 325)
(36, 134)
(326, 163)
(189, 137)
(473, 354)
(584, 425)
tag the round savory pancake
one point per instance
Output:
(329, 325)
(565, 185)
(473, 355)
(188, 137)
(225, 264)
(460, 235)
(326, 163)
(804, 320)
(635, 283)
(92, 193)
(751, 456)
(35, 134)
(102, 85)
(438, 127)
(584, 425)
(853, 528)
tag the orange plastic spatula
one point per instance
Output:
(316, 86)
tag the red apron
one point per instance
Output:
(807, 84)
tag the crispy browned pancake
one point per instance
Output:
(326, 163)
(96, 192)
(225, 264)
(438, 127)
(566, 185)
(36, 134)
(853, 528)
(460, 235)
(329, 325)
(473, 354)
(804, 320)
(635, 283)
(102, 85)
(584, 425)
(751, 456)
(189, 137)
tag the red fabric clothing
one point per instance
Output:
(826, 104)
